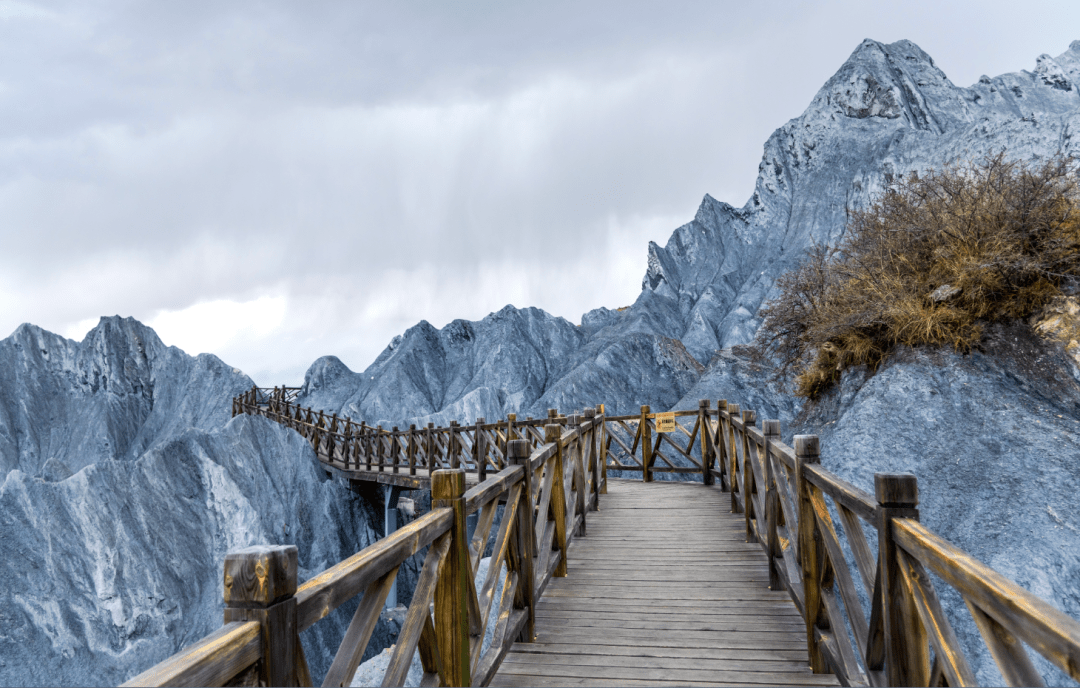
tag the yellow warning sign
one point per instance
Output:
(665, 422)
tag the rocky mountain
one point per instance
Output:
(125, 483)
(889, 110)
(993, 437)
(66, 405)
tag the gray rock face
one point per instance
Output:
(125, 483)
(65, 405)
(888, 111)
(993, 439)
(514, 361)
(991, 436)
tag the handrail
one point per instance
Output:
(213, 661)
(906, 638)
(546, 491)
(549, 481)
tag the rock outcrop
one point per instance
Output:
(888, 111)
(125, 483)
(993, 437)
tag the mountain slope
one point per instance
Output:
(125, 482)
(887, 111)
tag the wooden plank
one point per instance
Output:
(212, 661)
(612, 650)
(329, 589)
(649, 674)
(947, 650)
(534, 659)
(1047, 630)
(359, 632)
(527, 681)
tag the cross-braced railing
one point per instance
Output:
(546, 493)
(879, 624)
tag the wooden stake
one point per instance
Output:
(451, 593)
(807, 451)
(907, 654)
(646, 445)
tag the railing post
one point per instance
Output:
(348, 450)
(412, 449)
(429, 447)
(593, 465)
(517, 454)
(451, 593)
(553, 433)
(395, 448)
(733, 455)
(907, 657)
(705, 438)
(259, 586)
(771, 430)
(749, 418)
(720, 444)
(365, 436)
(379, 447)
(510, 434)
(577, 472)
(602, 412)
(646, 445)
(480, 451)
(452, 446)
(807, 451)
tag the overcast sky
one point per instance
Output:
(276, 181)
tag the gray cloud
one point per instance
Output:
(374, 164)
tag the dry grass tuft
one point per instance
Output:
(933, 260)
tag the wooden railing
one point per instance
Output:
(872, 618)
(547, 486)
(904, 638)
(344, 443)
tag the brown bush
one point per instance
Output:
(929, 263)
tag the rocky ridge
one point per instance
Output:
(125, 483)
(888, 110)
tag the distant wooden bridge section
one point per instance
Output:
(759, 573)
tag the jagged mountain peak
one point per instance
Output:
(121, 387)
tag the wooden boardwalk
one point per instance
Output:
(663, 590)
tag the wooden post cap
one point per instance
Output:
(721, 404)
(511, 416)
(552, 432)
(590, 413)
(808, 447)
(645, 408)
(259, 576)
(517, 450)
(749, 417)
(573, 421)
(553, 413)
(703, 403)
(733, 409)
(447, 483)
(896, 489)
(770, 427)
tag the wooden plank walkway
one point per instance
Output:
(663, 590)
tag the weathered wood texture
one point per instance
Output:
(663, 589)
(674, 582)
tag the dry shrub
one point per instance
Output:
(930, 262)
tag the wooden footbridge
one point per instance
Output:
(759, 573)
